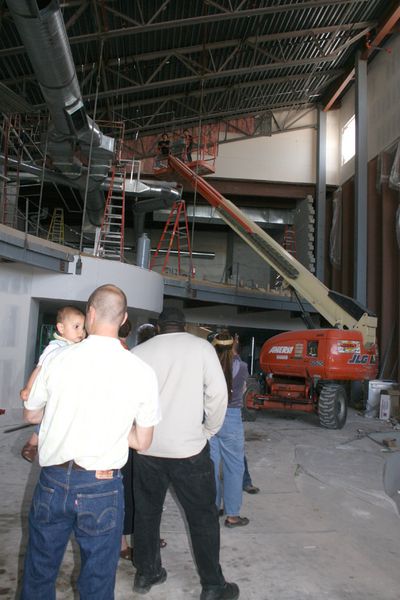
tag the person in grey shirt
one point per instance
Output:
(193, 401)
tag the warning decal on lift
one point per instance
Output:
(362, 359)
(281, 350)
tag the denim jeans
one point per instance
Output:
(227, 449)
(69, 501)
(193, 482)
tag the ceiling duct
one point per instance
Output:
(265, 217)
(72, 131)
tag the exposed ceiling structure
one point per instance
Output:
(159, 64)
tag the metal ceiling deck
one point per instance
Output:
(170, 63)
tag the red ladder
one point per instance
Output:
(176, 229)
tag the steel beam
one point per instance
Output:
(229, 294)
(15, 246)
(383, 29)
(321, 195)
(361, 182)
(204, 19)
(155, 85)
(216, 90)
(207, 47)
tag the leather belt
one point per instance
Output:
(75, 466)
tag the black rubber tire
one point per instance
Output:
(250, 414)
(332, 406)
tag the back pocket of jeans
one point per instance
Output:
(97, 513)
(41, 503)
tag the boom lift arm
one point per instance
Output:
(340, 311)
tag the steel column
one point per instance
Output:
(321, 195)
(361, 179)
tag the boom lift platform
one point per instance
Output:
(309, 370)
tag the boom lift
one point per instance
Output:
(308, 370)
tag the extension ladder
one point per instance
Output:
(56, 230)
(110, 242)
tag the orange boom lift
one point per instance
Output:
(310, 370)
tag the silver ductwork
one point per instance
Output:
(265, 217)
(72, 132)
(44, 36)
(151, 195)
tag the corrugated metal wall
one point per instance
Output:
(383, 259)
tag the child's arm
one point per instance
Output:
(24, 393)
(34, 416)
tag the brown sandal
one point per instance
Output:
(163, 543)
(29, 452)
(236, 522)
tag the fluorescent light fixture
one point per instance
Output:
(209, 255)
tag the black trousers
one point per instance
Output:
(127, 478)
(194, 485)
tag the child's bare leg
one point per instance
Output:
(34, 439)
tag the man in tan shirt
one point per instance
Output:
(193, 400)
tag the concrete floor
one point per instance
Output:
(322, 527)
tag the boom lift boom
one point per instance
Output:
(340, 311)
(304, 370)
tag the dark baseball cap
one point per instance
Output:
(171, 314)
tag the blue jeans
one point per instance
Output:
(227, 449)
(193, 481)
(69, 501)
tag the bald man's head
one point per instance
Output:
(110, 304)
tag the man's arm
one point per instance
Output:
(140, 438)
(215, 393)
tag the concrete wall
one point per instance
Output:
(22, 289)
(211, 269)
(383, 104)
(248, 268)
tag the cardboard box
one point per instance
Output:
(389, 404)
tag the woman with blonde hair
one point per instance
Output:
(227, 446)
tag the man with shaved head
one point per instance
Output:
(94, 400)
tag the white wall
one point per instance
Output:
(144, 289)
(288, 157)
(285, 157)
(383, 104)
(291, 156)
(21, 289)
(332, 147)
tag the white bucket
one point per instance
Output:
(375, 387)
